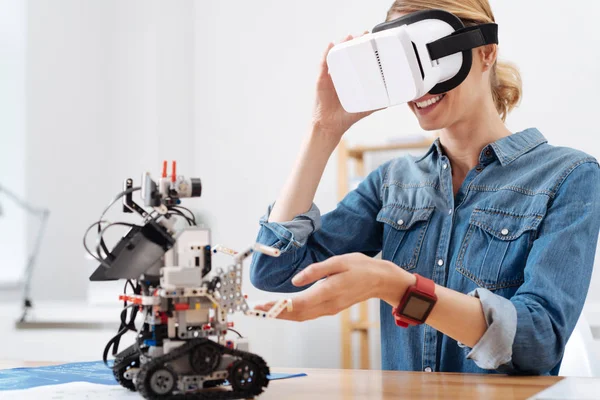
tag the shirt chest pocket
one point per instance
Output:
(404, 231)
(494, 251)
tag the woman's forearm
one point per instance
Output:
(299, 191)
(458, 316)
(455, 314)
(330, 121)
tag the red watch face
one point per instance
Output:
(417, 307)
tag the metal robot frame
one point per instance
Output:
(183, 349)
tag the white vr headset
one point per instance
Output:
(404, 59)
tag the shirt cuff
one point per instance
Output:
(495, 346)
(294, 233)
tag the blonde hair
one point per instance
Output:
(507, 87)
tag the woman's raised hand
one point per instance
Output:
(329, 116)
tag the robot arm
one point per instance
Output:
(270, 251)
(230, 296)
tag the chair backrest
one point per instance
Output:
(581, 357)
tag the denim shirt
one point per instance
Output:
(520, 234)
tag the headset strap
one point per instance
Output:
(463, 40)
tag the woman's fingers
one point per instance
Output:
(329, 47)
(320, 300)
(348, 282)
(324, 59)
(285, 314)
(317, 301)
(307, 305)
(264, 307)
(307, 313)
(324, 302)
(319, 271)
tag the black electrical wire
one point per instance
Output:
(85, 242)
(236, 332)
(190, 221)
(99, 223)
(175, 211)
(103, 245)
(130, 283)
(125, 327)
(117, 198)
(192, 216)
(112, 343)
(98, 257)
(130, 325)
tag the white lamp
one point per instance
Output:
(42, 214)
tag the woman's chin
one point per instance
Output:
(429, 121)
(430, 124)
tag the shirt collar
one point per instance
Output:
(507, 149)
(435, 146)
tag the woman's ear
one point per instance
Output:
(488, 55)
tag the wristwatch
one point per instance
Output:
(416, 304)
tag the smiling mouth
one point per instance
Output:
(421, 105)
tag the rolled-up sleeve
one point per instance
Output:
(309, 238)
(495, 346)
(295, 232)
(527, 333)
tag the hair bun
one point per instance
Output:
(507, 88)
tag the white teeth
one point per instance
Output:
(427, 103)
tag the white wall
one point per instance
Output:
(226, 88)
(109, 96)
(13, 28)
(69, 97)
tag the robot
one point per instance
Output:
(182, 350)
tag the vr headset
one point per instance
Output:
(404, 59)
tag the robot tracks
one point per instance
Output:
(156, 380)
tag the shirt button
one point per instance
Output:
(449, 212)
(428, 369)
(479, 169)
(440, 262)
(400, 222)
(504, 232)
(488, 152)
(445, 166)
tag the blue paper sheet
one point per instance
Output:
(91, 372)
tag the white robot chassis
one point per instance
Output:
(182, 350)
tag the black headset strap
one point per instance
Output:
(463, 40)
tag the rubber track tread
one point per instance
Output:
(203, 394)
(123, 359)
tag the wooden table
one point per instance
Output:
(384, 385)
(332, 384)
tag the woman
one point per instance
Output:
(505, 226)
